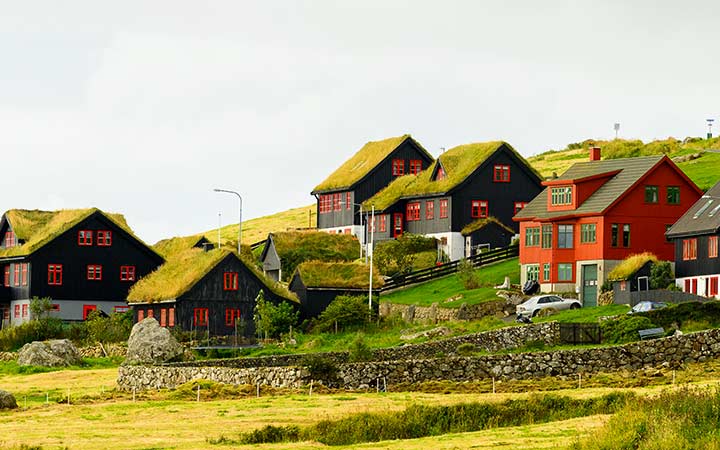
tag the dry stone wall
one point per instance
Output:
(436, 313)
(666, 352)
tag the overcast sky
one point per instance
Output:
(143, 107)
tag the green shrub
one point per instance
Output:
(466, 349)
(397, 256)
(467, 275)
(113, 328)
(270, 433)
(660, 275)
(359, 350)
(272, 320)
(625, 328)
(14, 337)
(342, 313)
(321, 368)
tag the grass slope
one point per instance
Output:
(442, 290)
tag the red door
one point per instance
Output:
(87, 309)
(397, 224)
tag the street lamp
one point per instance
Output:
(363, 240)
(240, 217)
(368, 246)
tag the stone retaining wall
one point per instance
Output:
(669, 352)
(435, 313)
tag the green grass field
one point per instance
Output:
(448, 292)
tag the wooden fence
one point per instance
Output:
(423, 275)
(580, 333)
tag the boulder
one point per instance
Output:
(7, 400)
(53, 353)
(150, 343)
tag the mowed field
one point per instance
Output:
(100, 418)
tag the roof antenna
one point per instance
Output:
(442, 150)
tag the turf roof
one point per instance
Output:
(361, 163)
(37, 228)
(348, 275)
(458, 163)
(170, 247)
(482, 223)
(630, 265)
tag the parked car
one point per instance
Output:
(533, 305)
(646, 306)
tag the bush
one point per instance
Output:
(466, 349)
(14, 337)
(272, 320)
(321, 368)
(660, 275)
(342, 313)
(467, 276)
(624, 329)
(113, 328)
(397, 256)
(359, 350)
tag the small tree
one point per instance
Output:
(343, 312)
(467, 276)
(272, 320)
(40, 308)
(660, 275)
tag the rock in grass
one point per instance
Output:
(7, 400)
(53, 353)
(150, 343)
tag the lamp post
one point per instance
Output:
(240, 217)
(364, 239)
(370, 251)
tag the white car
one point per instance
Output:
(533, 305)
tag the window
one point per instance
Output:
(547, 236)
(532, 271)
(151, 313)
(141, 315)
(689, 249)
(588, 233)
(518, 207)
(16, 275)
(85, 237)
(626, 235)
(200, 317)
(163, 317)
(673, 195)
(337, 201)
(712, 287)
(443, 208)
(561, 195)
(17, 311)
(24, 274)
(94, 272)
(117, 309)
(398, 167)
(440, 175)
(501, 174)
(565, 236)
(430, 209)
(651, 194)
(104, 238)
(55, 274)
(413, 211)
(614, 235)
(546, 272)
(25, 310)
(479, 209)
(326, 203)
(532, 236)
(712, 247)
(9, 239)
(230, 281)
(232, 315)
(6, 281)
(381, 222)
(348, 201)
(127, 273)
(565, 272)
(415, 166)
(171, 317)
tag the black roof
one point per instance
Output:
(702, 218)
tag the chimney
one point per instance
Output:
(594, 153)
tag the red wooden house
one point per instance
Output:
(596, 214)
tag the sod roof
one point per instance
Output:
(316, 245)
(318, 274)
(362, 163)
(36, 228)
(458, 163)
(630, 265)
(169, 247)
(482, 223)
(186, 267)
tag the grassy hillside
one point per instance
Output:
(701, 170)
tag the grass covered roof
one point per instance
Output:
(168, 248)
(482, 223)
(295, 247)
(361, 163)
(458, 163)
(630, 265)
(36, 228)
(348, 275)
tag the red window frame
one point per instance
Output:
(163, 317)
(230, 281)
(398, 167)
(381, 223)
(24, 274)
(94, 272)
(85, 238)
(25, 312)
(479, 209)
(415, 166)
(412, 211)
(519, 206)
(16, 274)
(712, 247)
(440, 175)
(231, 316)
(713, 287)
(171, 317)
(501, 173)
(151, 313)
(104, 238)
(127, 273)
(17, 311)
(348, 202)
(337, 201)
(141, 315)
(6, 280)
(443, 208)
(200, 317)
(430, 209)
(9, 239)
(55, 272)
(689, 249)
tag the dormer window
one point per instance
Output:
(440, 174)
(561, 195)
(9, 239)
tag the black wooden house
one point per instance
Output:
(465, 184)
(368, 171)
(696, 235)
(83, 260)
